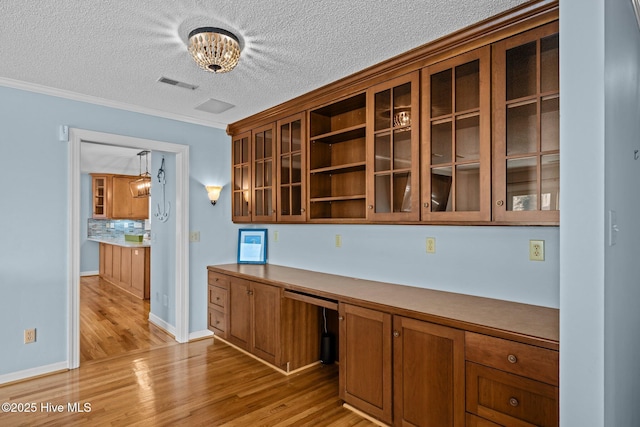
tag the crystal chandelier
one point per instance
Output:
(214, 49)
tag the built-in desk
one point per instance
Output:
(490, 360)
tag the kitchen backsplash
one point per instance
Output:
(112, 228)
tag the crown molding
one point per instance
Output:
(74, 96)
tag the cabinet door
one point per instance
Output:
(365, 360)
(139, 208)
(428, 374)
(239, 313)
(125, 268)
(140, 272)
(117, 260)
(108, 261)
(526, 102)
(263, 174)
(456, 147)
(265, 315)
(121, 198)
(100, 196)
(241, 177)
(393, 150)
(291, 145)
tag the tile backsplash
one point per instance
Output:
(115, 228)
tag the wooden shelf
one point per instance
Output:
(338, 198)
(350, 167)
(342, 135)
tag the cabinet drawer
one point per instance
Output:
(218, 280)
(533, 362)
(218, 322)
(509, 399)
(474, 421)
(218, 297)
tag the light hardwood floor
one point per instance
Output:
(203, 383)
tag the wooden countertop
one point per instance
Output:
(526, 323)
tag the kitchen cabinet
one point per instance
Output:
(456, 147)
(241, 177)
(263, 174)
(128, 268)
(112, 198)
(393, 150)
(526, 103)
(218, 304)
(100, 196)
(292, 149)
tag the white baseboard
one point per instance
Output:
(200, 334)
(89, 273)
(34, 372)
(162, 324)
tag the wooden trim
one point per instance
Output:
(510, 22)
(320, 302)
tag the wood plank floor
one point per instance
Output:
(113, 322)
(163, 383)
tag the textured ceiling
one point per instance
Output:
(113, 51)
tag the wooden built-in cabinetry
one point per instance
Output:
(112, 198)
(464, 130)
(408, 356)
(126, 267)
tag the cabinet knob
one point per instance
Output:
(425, 204)
(273, 211)
(217, 322)
(302, 210)
(513, 402)
(217, 278)
(249, 292)
(396, 334)
(340, 317)
(217, 298)
(500, 202)
(512, 358)
(370, 206)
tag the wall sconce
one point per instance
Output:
(214, 193)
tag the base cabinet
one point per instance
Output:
(127, 268)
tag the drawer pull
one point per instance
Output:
(512, 358)
(217, 278)
(513, 402)
(396, 334)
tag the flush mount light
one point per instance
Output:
(214, 49)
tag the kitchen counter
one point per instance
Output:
(120, 242)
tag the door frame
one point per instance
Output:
(76, 137)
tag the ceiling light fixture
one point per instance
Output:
(214, 49)
(141, 187)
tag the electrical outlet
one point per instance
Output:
(431, 245)
(194, 236)
(29, 336)
(536, 250)
(338, 241)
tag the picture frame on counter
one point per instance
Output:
(252, 246)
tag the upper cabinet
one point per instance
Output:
(463, 130)
(393, 150)
(100, 196)
(526, 102)
(112, 198)
(456, 139)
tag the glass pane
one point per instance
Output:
(285, 200)
(402, 192)
(383, 152)
(237, 151)
(468, 86)
(402, 105)
(259, 202)
(285, 139)
(549, 64)
(401, 149)
(383, 193)
(296, 200)
(522, 129)
(259, 174)
(441, 189)
(237, 204)
(468, 188)
(245, 178)
(268, 144)
(285, 170)
(550, 124)
(237, 178)
(521, 71)
(383, 110)
(245, 150)
(296, 169)
(468, 139)
(296, 136)
(268, 173)
(259, 143)
(441, 87)
(268, 206)
(550, 183)
(522, 184)
(441, 143)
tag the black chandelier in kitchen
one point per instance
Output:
(141, 187)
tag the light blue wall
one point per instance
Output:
(89, 250)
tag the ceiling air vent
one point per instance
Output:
(176, 83)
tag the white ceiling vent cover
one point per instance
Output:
(177, 83)
(214, 106)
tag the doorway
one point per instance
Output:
(181, 298)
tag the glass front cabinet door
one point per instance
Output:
(291, 174)
(263, 200)
(241, 177)
(393, 150)
(456, 140)
(526, 102)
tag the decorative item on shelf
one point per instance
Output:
(214, 193)
(402, 119)
(163, 215)
(214, 49)
(141, 187)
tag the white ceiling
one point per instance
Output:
(112, 52)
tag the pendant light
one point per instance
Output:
(141, 187)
